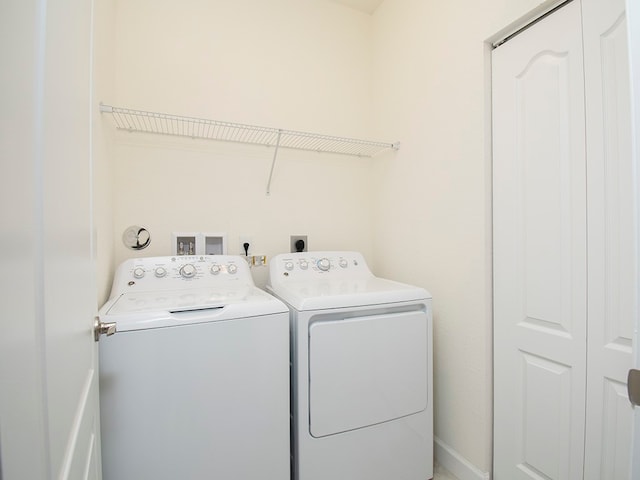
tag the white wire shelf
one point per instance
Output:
(166, 124)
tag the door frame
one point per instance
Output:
(633, 20)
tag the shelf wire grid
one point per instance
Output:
(166, 124)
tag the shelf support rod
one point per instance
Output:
(273, 162)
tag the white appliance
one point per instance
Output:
(195, 382)
(361, 352)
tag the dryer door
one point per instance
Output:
(366, 370)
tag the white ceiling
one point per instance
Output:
(366, 6)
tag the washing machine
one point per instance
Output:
(361, 359)
(194, 383)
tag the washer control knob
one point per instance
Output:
(343, 263)
(304, 264)
(138, 272)
(232, 268)
(188, 270)
(288, 266)
(215, 269)
(324, 264)
(160, 272)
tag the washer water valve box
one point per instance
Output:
(183, 243)
(214, 243)
(194, 243)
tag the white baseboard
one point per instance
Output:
(459, 466)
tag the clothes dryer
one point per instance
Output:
(195, 381)
(361, 381)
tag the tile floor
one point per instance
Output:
(440, 473)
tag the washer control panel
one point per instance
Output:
(175, 272)
(315, 265)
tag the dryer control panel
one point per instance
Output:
(319, 280)
(316, 265)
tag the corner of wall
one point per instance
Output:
(455, 463)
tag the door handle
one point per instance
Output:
(103, 328)
(633, 386)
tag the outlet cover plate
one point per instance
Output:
(295, 239)
(242, 240)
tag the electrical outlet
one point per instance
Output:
(294, 243)
(242, 241)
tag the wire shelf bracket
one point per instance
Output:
(200, 128)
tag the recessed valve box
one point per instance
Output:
(214, 243)
(183, 243)
(194, 243)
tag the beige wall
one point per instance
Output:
(416, 71)
(284, 64)
(432, 204)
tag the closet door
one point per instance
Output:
(612, 240)
(540, 287)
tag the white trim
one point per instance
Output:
(633, 24)
(455, 463)
(79, 424)
(38, 199)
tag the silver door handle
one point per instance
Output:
(103, 328)
(633, 386)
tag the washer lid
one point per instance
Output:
(339, 293)
(177, 300)
(154, 309)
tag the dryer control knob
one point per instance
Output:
(232, 268)
(324, 264)
(138, 272)
(160, 272)
(288, 266)
(215, 269)
(343, 263)
(304, 264)
(188, 270)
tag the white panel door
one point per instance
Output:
(68, 265)
(540, 251)
(611, 234)
(48, 378)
